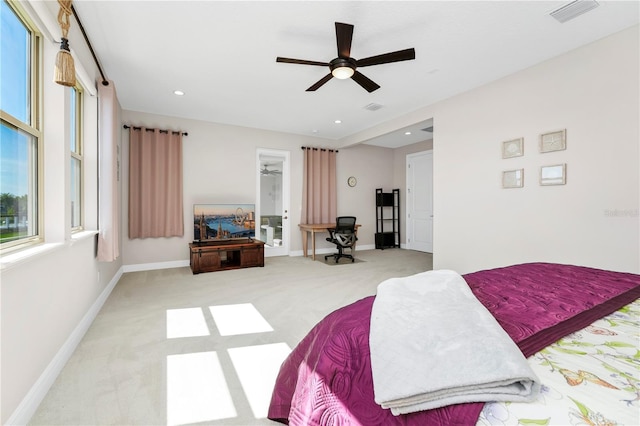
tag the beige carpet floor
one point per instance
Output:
(158, 353)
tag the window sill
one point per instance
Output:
(82, 235)
(16, 258)
(12, 259)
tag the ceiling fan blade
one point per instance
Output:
(301, 61)
(385, 58)
(320, 83)
(366, 83)
(344, 35)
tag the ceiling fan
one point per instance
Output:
(344, 66)
(265, 171)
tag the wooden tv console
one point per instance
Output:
(220, 255)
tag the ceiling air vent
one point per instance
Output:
(373, 107)
(573, 9)
(428, 129)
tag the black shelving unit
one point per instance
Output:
(387, 219)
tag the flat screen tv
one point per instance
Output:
(223, 222)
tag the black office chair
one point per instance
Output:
(343, 236)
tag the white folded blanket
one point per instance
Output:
(434, 344)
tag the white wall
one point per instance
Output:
(220, 167)
(593, 92)
(48, 294)
(372, 166)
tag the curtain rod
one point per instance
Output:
(105, 82)
(151, 130)
(321, 149)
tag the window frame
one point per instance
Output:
(78, 153)
(31, 128)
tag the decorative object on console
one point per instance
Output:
(553, 141)
(513, 178)
(553, 175)
(513, 148)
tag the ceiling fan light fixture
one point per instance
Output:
(342, 73)
(342, 68)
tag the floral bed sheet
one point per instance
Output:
(590, 377)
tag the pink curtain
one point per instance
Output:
(319, 186)
(155, 183)
(108, 191)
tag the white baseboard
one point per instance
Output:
(38, 391)
(155, 266)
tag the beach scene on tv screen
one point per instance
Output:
(223, 221)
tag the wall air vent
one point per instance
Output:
(373, 107)
(573, 9)
(428, 129)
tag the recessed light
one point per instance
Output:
(314, 131)
(407, 133)
(338, 121)
(178, 92)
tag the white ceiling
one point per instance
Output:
(222, 54)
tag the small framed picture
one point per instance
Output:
(553, 141)
(513, 178)
(513, 148)
(553, 175)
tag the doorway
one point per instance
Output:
(420, 201)
(272, 201)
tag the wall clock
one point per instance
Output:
(352, 181)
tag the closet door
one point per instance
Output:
(420, 201)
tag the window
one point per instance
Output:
(19, 132)
(75, 117)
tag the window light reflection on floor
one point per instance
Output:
(188, 322)
(196, 389)
(257, 368)
(242, 318)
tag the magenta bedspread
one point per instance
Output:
(327, 379)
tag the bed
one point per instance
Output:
(577, 326)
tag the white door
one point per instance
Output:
(420, 201)
(272, 201)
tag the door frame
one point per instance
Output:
(284, 249)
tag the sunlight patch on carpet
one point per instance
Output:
(188, 322)
(257, 368)
(242, 318)
(196, 389)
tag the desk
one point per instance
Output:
(313, 228)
